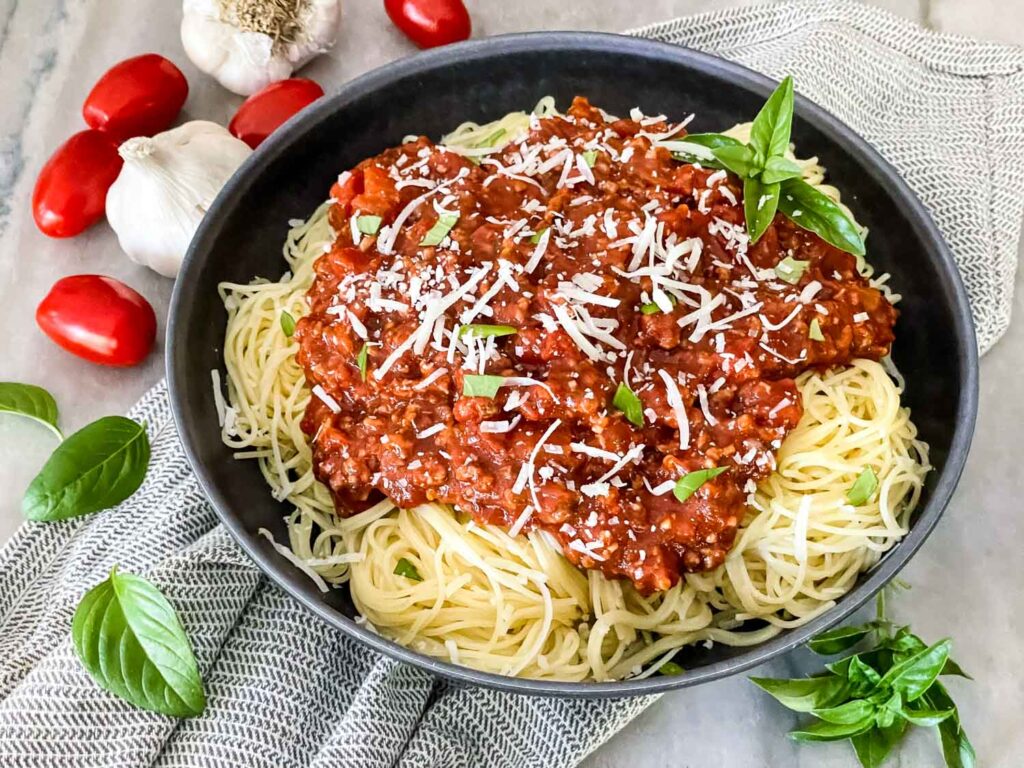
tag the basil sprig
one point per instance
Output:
(32, 402)
(131, 642)
(872, 697)
(405, 568)
(771, 181)
(97, 467)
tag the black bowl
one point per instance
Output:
(430, 93)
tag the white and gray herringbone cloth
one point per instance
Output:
(284, 689)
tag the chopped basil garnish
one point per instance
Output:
(407, 569)
(863, 487)
(687, 485)
(627, 402)
(790, 270)
(536, 236)
(482, 330)
(652, 308)
(814, 331)
(590, 157)
(368, 225)
(361, 359)
(475, 385)
(440, 230)
(287, 322)
(670, 669)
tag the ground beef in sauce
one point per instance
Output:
(613, 210)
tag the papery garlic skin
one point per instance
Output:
(166, 186)
(244, 60)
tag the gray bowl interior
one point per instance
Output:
(291, 174)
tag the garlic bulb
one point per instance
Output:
(165, 187)
(249, 44)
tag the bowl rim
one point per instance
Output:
(289, 578)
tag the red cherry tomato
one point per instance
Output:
(430, 23)
(262, 113)
(138, 97)
(71, 190)
(98, 318)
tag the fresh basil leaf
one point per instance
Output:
(889, 710)
(915, 675)
(851, 712)
(483, 331)
(790, 270)
(98, 467)
(952, 668)
(362, 360)
(697, 148)
(287, 322)
(863, 487)
(738, 159)
(816, 212)
(712, 140)
(862, 677)
(779, 168)
(956, 747)
(407, 569)
(838, 640)
(627, 402)
(440, 230)
(131, 642)
(32, 402)
(874, 745)
(368, 225)
(926, 718)
(474, 385)
(804, 694)
(831, 731)
(769, 133)
(688, 484)
(904, 642)
(814, 331)
(670, 669)
(856, 667)
(760, 201)
(590, 157)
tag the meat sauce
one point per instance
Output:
(565, 235)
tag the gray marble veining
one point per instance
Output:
(968, 580)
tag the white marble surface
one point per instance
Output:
(968, 580)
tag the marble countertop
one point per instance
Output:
(968, 581)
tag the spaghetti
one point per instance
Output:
(513, 604)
